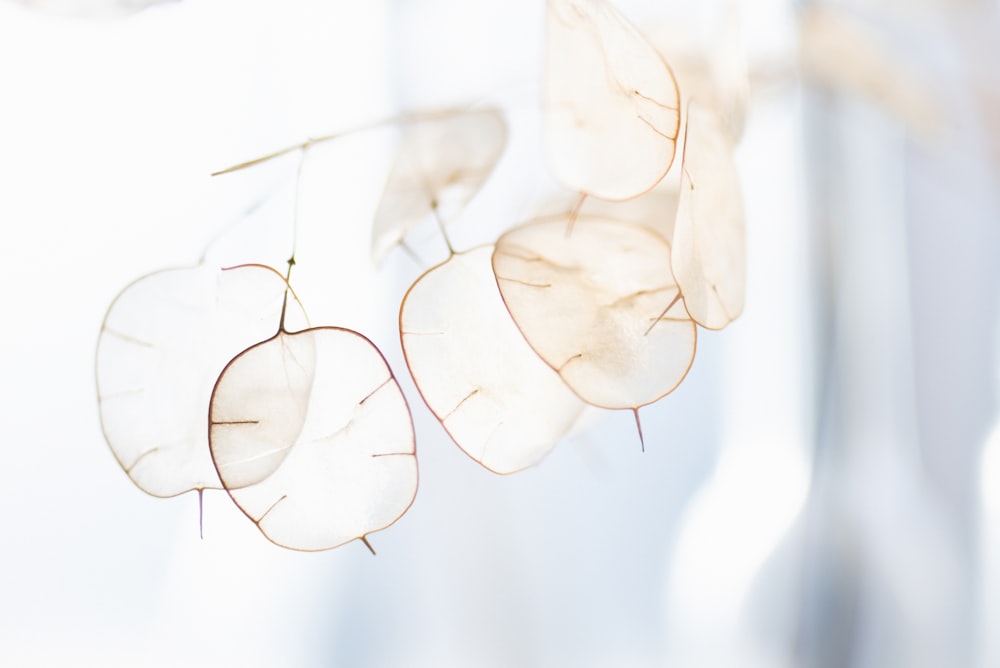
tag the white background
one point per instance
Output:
(600, 556)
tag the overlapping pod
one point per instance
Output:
(709, 251)
(612, 107)
(442, 162)
(313, 439)
(162, 344)
(599, 305)
(501, 404)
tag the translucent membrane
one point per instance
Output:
(259, 408)
(162, 344)
(656, 210)
(709, 254)
(612, 108)
(598, 303)
(313, 439)
(443, 161)
(499, 402)
(710, 69)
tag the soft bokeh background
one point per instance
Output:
(822, 490)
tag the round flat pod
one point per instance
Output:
(709, 249)
(442, 162)
(611, 103)
(499, 402)
(162, 344)
(598, 303)
(313, 439)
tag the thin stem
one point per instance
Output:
(322, 139)
(663, 314)
(686, 173)
(412, 254)
(574, 213)
(283, 277)
(298, 198)
(201, 513)
(264, 158)
(295, 239)
(684, 170)
(444, 233)
(284, 300)
(638, 424)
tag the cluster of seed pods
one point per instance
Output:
(204, 383)
(212, 378)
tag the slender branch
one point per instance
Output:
(322, 139)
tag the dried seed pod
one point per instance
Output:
(612, 107)
(442, 162)
(501, 404)
(162, 344)
(599, 305)
(313, 439)
(709, 251)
